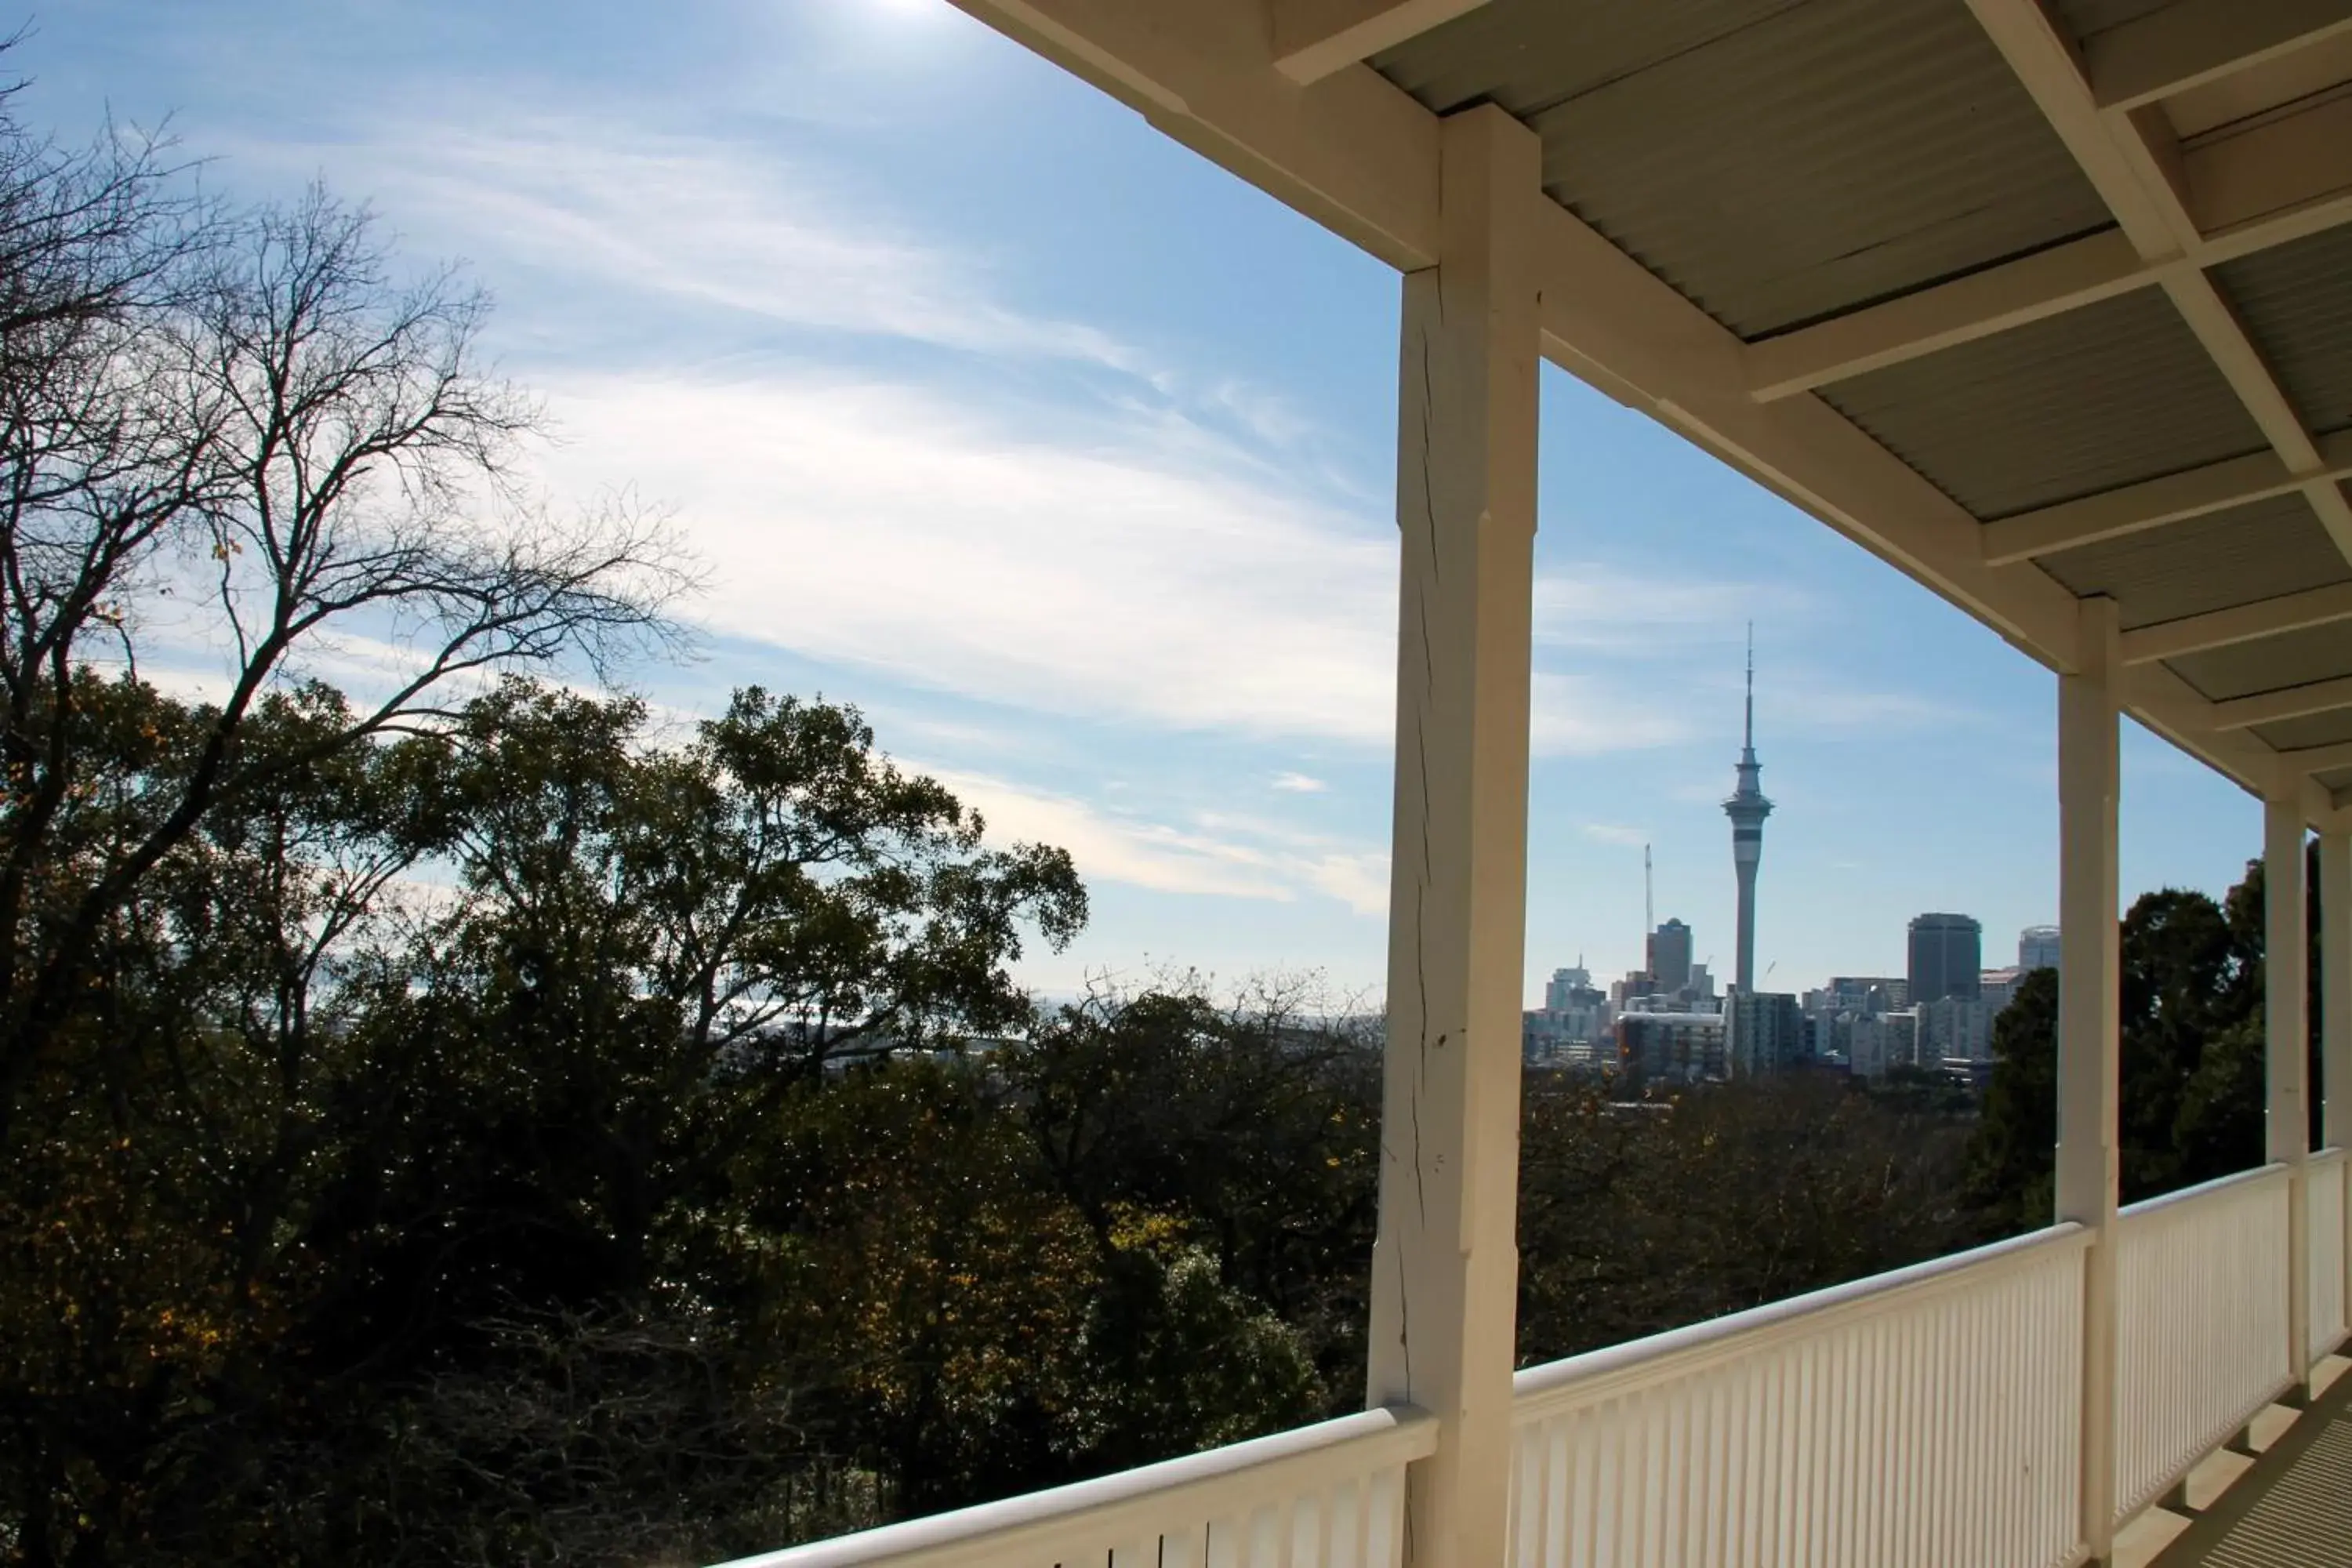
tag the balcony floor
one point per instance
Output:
(2293, 1504)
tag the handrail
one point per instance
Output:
(1536, 1388)
(2272, 1171)
(1392, 1434)
(2326, 1156)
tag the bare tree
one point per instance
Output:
(243, 433)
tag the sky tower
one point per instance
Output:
(1748, 808)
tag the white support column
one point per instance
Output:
(2335, 986)
(2335, 1014)
(2090, 1013)
(1446, 1268)
(2286, 1036)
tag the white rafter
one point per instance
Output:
(1313, 39)
(2192, 492)
(2238, 624)
(2133, 161)
(2192, 42)
(2290, 702)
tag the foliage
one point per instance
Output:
(2191, 1098)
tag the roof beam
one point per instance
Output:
(2289, 702)
(2240, 623)
(2279, 181)
(2193, 492)
(2013, 294)
(2133, 159)
(2193, 41)
(2319, 759)
(1313, 39)
(2262, 179)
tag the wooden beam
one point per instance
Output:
(1313, 39)
(2063, 277)
(2240, 623)
(2132, 158)
(2290, 702)
(2193, 41)
(2279, 183)
(2109, 514)
(1608, 319)
(2319, 759)
(2270, 172)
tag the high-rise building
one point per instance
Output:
(1564, 983)
(1764, 1032)
(1946, 958)
(1748, 808)
(1670, 955)
(2037, 948)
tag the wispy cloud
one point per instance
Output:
(1299, 784)
(706, 221)
(1216, 855)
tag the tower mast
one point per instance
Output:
(1748, 808)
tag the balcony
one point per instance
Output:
(2041, 302)
(1931, 1415)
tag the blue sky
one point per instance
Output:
(1068, 457)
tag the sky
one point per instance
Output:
(1069, 459)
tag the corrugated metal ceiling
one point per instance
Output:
(1776, 162)
(2291, 658)
(2084, 18)
(2297, 302)
(2105, 396)
(2317, 729)
(2236, 557)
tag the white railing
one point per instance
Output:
(1932, 1414)
(1327, 1496)
(2323, 1212)
(2201, 1324)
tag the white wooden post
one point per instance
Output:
(1446, 1268)
(2335, 1015)
(2335, 986)
(2090, 1055)
(2286, 1038)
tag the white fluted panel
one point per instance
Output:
(2326, 1176)
(1927, 1417)
(1329, 1496)
(2201, 1324)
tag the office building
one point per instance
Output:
(2037, 948)
(1670, 955)
(1946, 958)
(1764, 1033)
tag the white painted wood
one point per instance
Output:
(2180, 45)
(2286, 1037)
(2336, 986)
(2192, 492)
(2089, 1170)
(2292, 702)
(2132, 158)
(2319, 758)
(1313, 39)
(2325, 1181)
(2265, 178)
(2014, 294)
(2202, 1324)
(1924, 1416)
(1445, 1266)
(2240, 623)
(1184, 1508)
